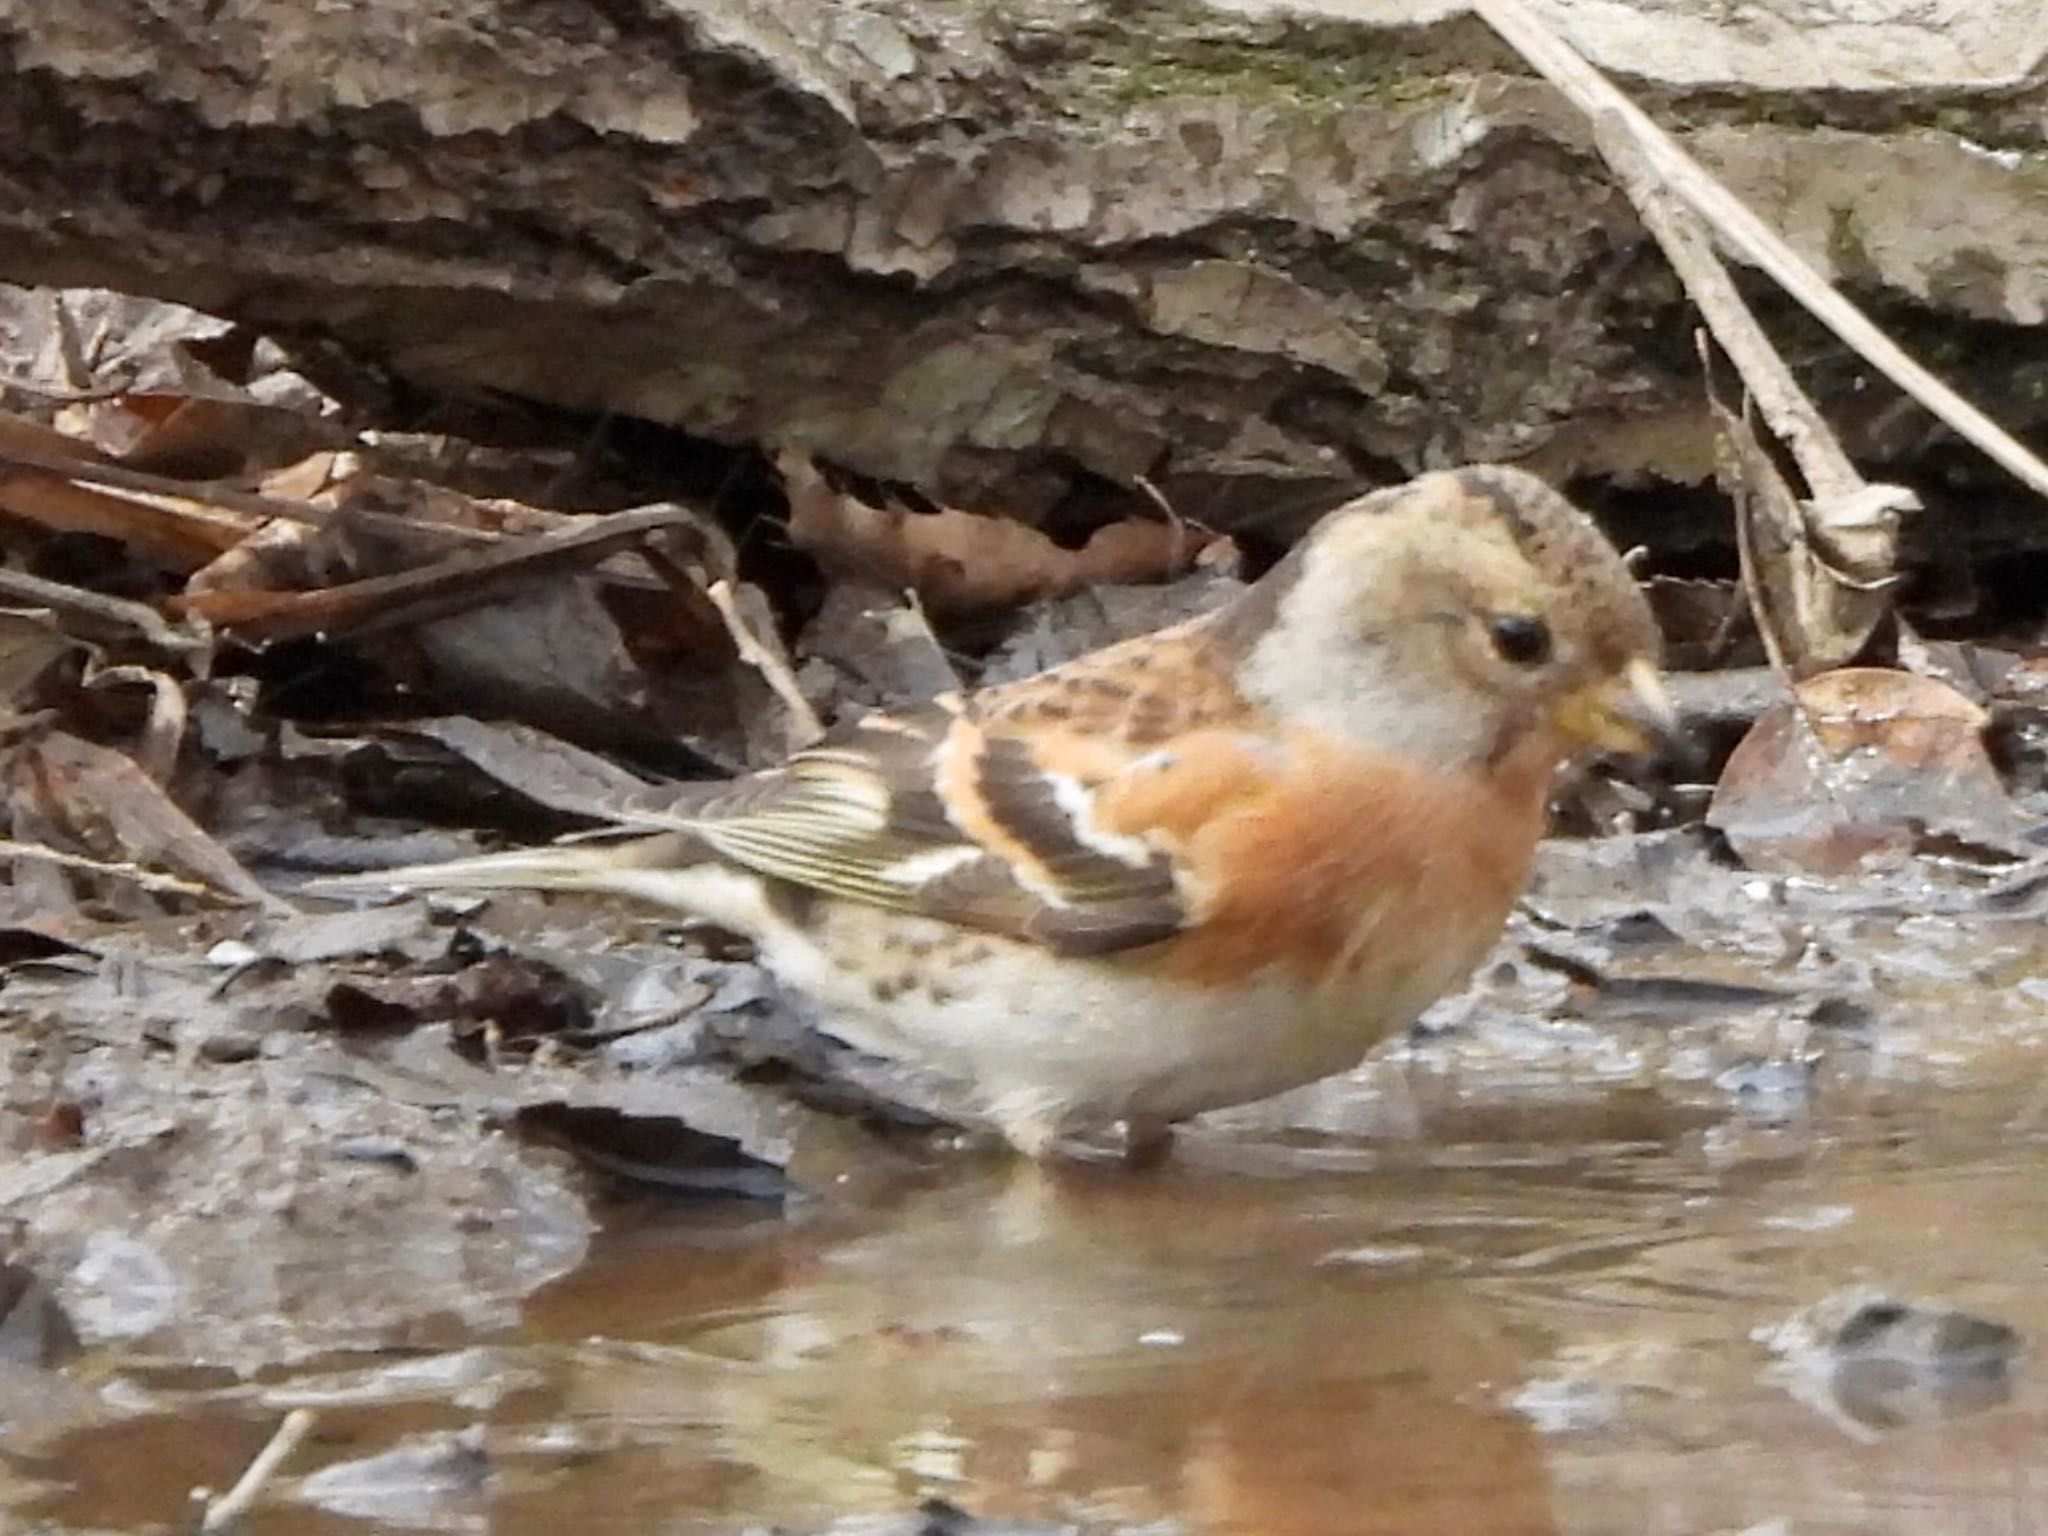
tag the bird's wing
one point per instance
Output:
(983, 814)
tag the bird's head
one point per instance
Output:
(1462, 619)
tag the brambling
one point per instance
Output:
(1194, 868)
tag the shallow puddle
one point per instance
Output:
(1538, 1270)
(1535, 1314)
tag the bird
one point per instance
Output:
(1191, 869)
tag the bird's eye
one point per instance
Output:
(1523, 641)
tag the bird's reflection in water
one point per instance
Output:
(1074, 1346)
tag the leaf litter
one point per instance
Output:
(255, 632)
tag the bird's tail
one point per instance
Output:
(617, 867)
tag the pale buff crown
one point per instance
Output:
(1384, 626)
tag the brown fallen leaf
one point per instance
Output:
(179, 532)
(1050, 634)
(1859, 770)
(159, 386)
(104, 801)
(180, 518)
(54, 482)
(959, 562)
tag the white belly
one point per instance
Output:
(1048, 1046)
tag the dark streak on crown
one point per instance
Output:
(1243, 621)
(1509, 503)
(1566, 545)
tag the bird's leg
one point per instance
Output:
(1045, 1132)
(1146, 1143)
(1030, 1122)
(1133, 1143)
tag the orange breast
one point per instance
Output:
(1331, 860)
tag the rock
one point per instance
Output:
(1864, 769)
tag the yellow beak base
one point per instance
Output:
(1630, 713)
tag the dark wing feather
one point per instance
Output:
(1098, 894)
(859, 816)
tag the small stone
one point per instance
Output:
(1777, 1085)
(1563, 1405)
(377, 1149)
(224, 1047)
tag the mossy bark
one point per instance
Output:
(1005, 249)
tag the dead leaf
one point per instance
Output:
(30, 643)
(313, 938)
(551, 655)
(311, 476)
(427, 1482)
(163, 733)
(886, 645)
(179, 532)
(1819, 573)
(278, 556)
(652, 1151)
(958, 562)
(541, 767)
(1861, 769)
(59, 483)
(159, 386)
(1053, 633)
(115, 809)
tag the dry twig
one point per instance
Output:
(222, 1513)
(89, 615)
(764, 661)
(1742, 232)
(134, 874)
(1818, 573)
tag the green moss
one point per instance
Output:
(1163, 50)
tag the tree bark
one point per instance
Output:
(1010, 249)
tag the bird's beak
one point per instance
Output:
(1631, 712)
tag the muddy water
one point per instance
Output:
(1530, 1273)
(1504, 1311)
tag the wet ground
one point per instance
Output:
(1708, 1217)
(1715, 1206)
